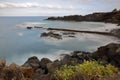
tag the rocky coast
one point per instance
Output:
(106, 17)
(43, 69)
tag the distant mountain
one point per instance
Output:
(107, 17)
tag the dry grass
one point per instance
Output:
(14, 72)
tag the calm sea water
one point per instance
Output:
(17, 43)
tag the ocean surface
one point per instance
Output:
(17, 43)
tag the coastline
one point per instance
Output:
(106, 17)
(43, 69)
(35, 69)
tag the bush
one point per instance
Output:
(14, 72)
(89, 70)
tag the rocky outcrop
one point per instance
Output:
(108, 54)
(108, 17)
(51, 34)
(75, 57)
(32, 62)
(44, 62)
(35, 69)
(44, 68)
(29, 27)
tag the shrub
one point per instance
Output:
(89, 70)
(14, 72)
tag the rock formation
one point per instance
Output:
(35, 69)
(107, 17)
(51, 34)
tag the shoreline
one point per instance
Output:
(113, 32)
(35, 69)
(106, 17)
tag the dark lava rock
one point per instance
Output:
(38, 73)
(76, 57)
(53, 66)
(82, 55)
(44, 62)
(67, 59)
(51, 34)
(69, 34)
(44, 69)
(109, 53)
(32, 62)
(29, 27)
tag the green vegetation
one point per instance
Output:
(89, 70)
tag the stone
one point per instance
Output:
(32, 62)
(110, 52)
(44, 62)
(29, 27)
(51, 34)
(53, 66)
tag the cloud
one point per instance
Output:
(57, 7)
(18, 5)
(32, 5)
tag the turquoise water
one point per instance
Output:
(17, 43)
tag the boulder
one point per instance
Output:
(29, 27)
(44, 62)
(82, 55)
(32, 62)
(66, 59)
(38, 73)
(51, 34)
(53, 66)
(76, 57)
(109, 53)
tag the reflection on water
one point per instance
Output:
(17, 44)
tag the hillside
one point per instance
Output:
(107, 17)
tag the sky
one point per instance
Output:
(55, 7)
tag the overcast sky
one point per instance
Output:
(55, 7)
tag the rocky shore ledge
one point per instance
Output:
(35, 69)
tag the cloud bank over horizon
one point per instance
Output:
(55, 7)
(32, 5)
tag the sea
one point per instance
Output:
(17, 43)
